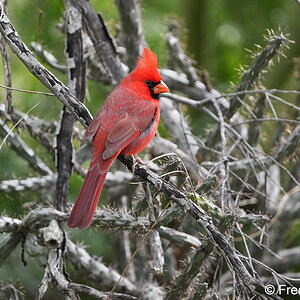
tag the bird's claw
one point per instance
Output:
(136, 160)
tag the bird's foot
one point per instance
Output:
(136, 160)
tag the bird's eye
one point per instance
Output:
(148, 82)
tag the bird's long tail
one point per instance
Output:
(86, 203)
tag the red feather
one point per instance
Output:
(125, 124)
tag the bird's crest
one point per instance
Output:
(147, 67)
(148, 59)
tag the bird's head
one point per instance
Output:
(145, 79)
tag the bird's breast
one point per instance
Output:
(140, 143)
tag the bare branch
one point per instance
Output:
(100, 295)
(161, 146)
(103, 43)
(259, 109)
(154, 237)
(178, 128)
(47, 57)
(38, 128)
(44, 284)
(180, 83)
(286, 212)
(33, 183)
(204, 220)
(76, 79)
(206, 214)
(7, 69)
(287, 259)
(298, 1)
(8, 243)
(181, 283)
(178, 236)
(178, 56)
(132, 31)
(39, 71)
(18, 145)
(9, 224)
(260, 62)
(54, 265)
(289, 146)
(95, 269)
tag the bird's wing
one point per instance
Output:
(126, 130)
(93, 127)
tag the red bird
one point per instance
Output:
(125, 124)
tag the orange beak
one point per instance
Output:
(161, 87)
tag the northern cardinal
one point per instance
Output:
(125, 124)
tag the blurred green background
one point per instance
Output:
(214, 33)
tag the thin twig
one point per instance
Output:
(7, 68)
